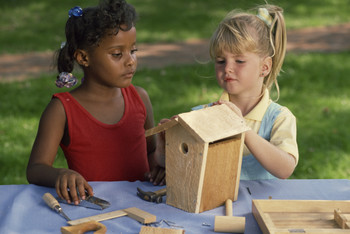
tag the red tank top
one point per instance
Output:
(103, 152)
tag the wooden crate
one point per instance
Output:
(302, 216)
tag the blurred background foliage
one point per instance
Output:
(38, 25)
(314, 86)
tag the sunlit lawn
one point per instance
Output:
(318, 97)
(38, 25)
(314, 86)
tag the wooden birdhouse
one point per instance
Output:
(203, 158)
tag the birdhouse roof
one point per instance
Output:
(213, 123)
(209, 124)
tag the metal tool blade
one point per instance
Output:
(90, 202)
(98, 201)
(63, 214)
(53, 204)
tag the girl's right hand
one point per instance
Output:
(69, 183)
(232, 107)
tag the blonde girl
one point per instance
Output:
(248, 50)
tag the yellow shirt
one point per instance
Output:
(284, 130)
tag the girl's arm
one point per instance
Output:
(275, 160)
(157, 172)
(49, 135)
(278, 162)
(39, 168)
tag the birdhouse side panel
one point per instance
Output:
(185, 164)
(222, 173)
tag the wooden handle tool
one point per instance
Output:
(81, 228)
(53, 204)
(229, 223)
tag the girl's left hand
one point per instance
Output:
(156, 176)
(71, 186)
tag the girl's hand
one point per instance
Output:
(157, 159)
(159, 154)
(232, 107)
(69, 183)
(156, 176)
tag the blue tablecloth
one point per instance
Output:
(22, 209)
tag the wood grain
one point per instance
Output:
(303, 216)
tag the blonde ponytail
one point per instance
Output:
(278, 42)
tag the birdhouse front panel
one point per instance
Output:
(185, 165)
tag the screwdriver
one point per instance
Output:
(53, 204)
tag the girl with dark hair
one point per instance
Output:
(100, 125)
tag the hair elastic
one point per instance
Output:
(66, 79)
(264, 15)
(63, 44)
(75, 11)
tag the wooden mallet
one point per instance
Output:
(229, 223)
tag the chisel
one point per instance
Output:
(53, 204)
(82, 228)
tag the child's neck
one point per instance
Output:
(98, 92)
(245, 104)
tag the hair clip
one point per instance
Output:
(264, 15)
(65, 79)
(75, 11)
(63, 44)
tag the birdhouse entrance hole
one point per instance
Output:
(184, 148)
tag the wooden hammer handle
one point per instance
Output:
(228, 206)
(229, 223)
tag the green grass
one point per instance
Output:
(37, 25)
(314, 86)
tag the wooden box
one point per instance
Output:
(203, 158)
(302, 216)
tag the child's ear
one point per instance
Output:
(266, 66)
(82, 58)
